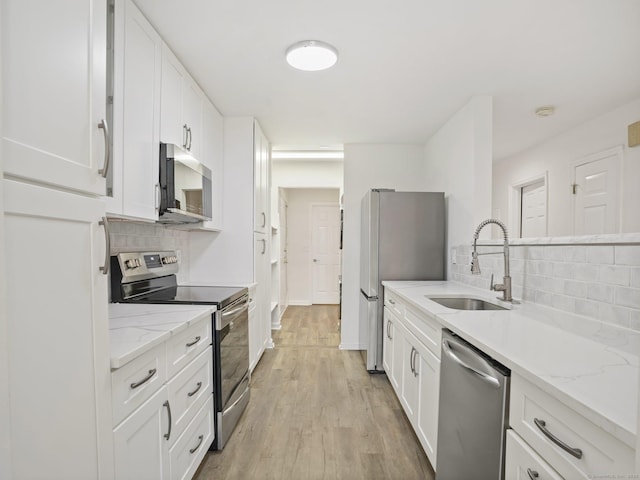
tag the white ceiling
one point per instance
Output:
(406, 66)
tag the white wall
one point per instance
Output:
(555, 156)
(299, 242)
(369, 166)
(458, 162)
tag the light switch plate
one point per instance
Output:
(634, 134)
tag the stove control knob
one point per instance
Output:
(130, 263)
(138, 262)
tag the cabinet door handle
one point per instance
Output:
(152, 372)
(105, 131)
(107, 246)
(199, 386)
(193, 450)
(190, 138)
(264, 246)
(184, 135)
(264, 219)
(391, 301)
(389, 336)
(542, 425)
(157, 199)
(415, 355)
(195, 340)
(168, 406)
(411, 359)
(532, 474)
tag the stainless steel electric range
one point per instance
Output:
(150, 277)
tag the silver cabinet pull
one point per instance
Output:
(264, 219)
(195, 340)
(199, 386)
(152, 372)
(184, 135)
(168, 406)
(542, 425)
(107, 246)
(157, 199)
(446, 347)
(389, 336)
(105, 131)
(532, 474)
(189, 136)
(193, 450)
(264, 246)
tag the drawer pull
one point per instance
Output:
(196, 340)
(542, 425)
(191, 394)
(193, 450)
(168, 406)
(532, 474)
(392, 302)
(144, 380)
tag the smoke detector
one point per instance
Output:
(546, 111)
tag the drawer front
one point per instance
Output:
(135, 382)
(393, 303)
(187, 345)
(189, 389)
(522, 463)
(426, 329)
(189, 450)
(601, 452)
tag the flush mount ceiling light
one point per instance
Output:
(311, 55)
(545, 111)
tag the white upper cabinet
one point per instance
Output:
(261, 176)
(212, 156)
(137, 70)
(181, 106)
(54, 100)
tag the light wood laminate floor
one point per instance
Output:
(315, 413)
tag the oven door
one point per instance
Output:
(232, 332)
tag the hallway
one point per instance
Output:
(316, 413)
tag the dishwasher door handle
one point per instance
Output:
(447, 347)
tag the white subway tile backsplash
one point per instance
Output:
(627, 255)
(600, 254)
(628, 297)
(596, 281)
(599, 292)
(614, 275)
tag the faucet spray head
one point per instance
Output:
(475, 264)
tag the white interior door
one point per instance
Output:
(595, 189)
(534, 210)
(325, 253)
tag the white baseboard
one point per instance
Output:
(351, 346)
(300, 303)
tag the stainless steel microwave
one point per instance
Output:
(185, 187)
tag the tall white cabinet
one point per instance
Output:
(54, 135)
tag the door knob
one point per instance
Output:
(315, 260)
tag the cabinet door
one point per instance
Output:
(54, 92)
(141, 449)
(397, 362)
(212, 156)
(262, 324)
(522, 463)
(388, 347)
(172, 127)
(137, 95)
(192, 98)
(260, 174)
(428, 370)
(59, 364)
(410, 381)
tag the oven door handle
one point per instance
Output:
(235, 310)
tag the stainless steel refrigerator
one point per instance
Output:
(402, 238)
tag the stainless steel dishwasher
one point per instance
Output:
(474, 399)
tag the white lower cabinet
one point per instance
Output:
(522, 463)
(569, 442)
(164, 422)
(413, 369)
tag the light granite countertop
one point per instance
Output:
(137, 328)
(590, 366)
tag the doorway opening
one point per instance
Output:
(528, 207)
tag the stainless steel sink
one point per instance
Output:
(465, 303)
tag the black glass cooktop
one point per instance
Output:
(195, 295)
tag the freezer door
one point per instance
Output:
(411, 240)
(369, 243)
(370, 317)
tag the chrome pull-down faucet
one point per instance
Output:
(505, 286)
